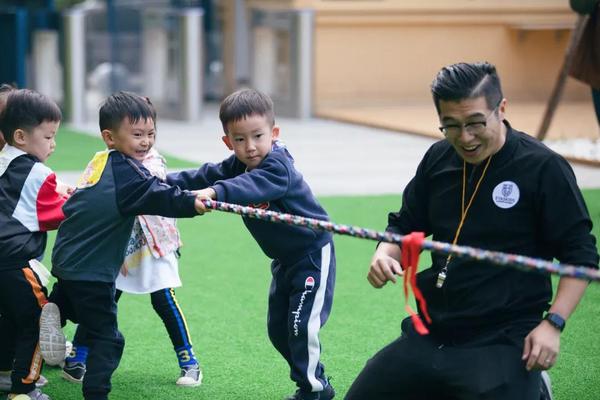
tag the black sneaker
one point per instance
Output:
(326, 394)
(74, 371)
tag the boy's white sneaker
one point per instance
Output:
(52, 338)
(190, 376)
(41, 382)
(68, 349)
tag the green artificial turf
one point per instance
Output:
(224, 297)
(74, 150)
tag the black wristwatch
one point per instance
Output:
(556, 321)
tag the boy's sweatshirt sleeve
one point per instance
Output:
(49, 205)
(267, 183)
(205, 176)
(40, 206)
(140, 193)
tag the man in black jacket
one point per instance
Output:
(490, 186)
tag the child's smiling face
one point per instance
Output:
(132, 139)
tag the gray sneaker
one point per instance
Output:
(52, 339)
(6, 383)
(190, 376)
(68, 348)
(33, 395)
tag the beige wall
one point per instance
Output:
(387, 51)
(397, 63)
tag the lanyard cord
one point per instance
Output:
(442, 275)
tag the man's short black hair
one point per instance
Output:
(462, 81)
(121, 105)
(244, 103)
(26, 109)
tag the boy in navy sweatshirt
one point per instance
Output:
(90, 243)
(261, 173)
(30, 205)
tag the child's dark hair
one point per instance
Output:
(26, 109)
(243, 103)
(121, 105)
(462, 81)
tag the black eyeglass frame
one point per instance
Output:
(476, 127)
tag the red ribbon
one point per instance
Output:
(411, 250)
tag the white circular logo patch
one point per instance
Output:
(506, 194)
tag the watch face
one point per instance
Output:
(556, 320)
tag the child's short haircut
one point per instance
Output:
(242, 104)
(121, 105)
(26, 109)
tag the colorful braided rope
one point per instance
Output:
(494, 257)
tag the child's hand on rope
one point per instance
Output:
(204, 194)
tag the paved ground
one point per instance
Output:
(335, 158)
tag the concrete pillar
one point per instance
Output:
(155, 54)
(74, 66)
(46, 65)
(191, 63)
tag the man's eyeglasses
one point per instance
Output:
(473, 128)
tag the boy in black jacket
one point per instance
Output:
(90, 244)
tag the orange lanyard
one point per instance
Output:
(464, 210)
